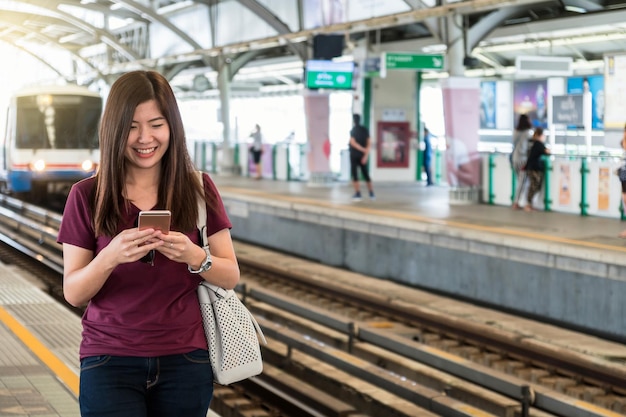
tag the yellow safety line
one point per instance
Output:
(414, 217)
(69, 378)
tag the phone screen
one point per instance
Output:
(157, 219)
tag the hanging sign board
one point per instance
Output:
(411, 62)
(567, 110)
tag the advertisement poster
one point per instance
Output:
(488, 105)
(604, 188)
(614, 91)
(318, 13)
(317, 109)
(461, 98)
(393, 144)
(575, 85)
(530, 97)
(564, 185)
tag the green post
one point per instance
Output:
(273, 162)
(366, 110)
(513, 184)
(367, 102)
(584, 170)
(437, 166)
(214, 157)
(547, 200)
(203, 156)
(420, 157)
(236, 155)
(492, 164)
(418, 126)
(288, 163)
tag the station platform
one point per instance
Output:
(408, 226)
(416, 202)
(38, 350)
(39, 341)
(562, 268)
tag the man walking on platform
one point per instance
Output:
(428, 152)
(359, 153)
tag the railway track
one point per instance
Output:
(337, 349)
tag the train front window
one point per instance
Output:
(58, 122)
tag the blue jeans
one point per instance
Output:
(165, 386)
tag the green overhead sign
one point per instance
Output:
(412, 62)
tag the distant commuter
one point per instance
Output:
(522, 135)
(256, 149)
(535, 167)
(428, 153)
(144, 350)
(360, 144)
(621, 173)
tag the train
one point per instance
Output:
(50, 141)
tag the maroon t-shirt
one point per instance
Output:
(141, 310)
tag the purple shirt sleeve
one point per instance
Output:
(77, 222)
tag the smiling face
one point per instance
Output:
(149, 136)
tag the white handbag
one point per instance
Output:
(229, 327)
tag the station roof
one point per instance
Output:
(89, 41)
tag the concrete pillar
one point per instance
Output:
(456, 45)
(317, 112)
(227, 163)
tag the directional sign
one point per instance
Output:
(329, 74)
(409, 61)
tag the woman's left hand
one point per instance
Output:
(177, 247)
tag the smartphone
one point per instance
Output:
(157, 219)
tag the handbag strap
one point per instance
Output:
(201, 225)
(201, 220)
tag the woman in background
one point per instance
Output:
(257, 150)
(535, 167)
(621, 173)
(521, 137)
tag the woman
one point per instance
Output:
(535, 166)
(621, 173)
(257, 150)
(521, 137)
(143, 351)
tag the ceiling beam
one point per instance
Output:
(275, 23)
(48, 40)
(154, 17)
(37, 57)
(45, 11)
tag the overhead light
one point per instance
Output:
(174, 6)
(547, 43)
(575, 9)
(434, 49)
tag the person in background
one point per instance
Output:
(257, 150)
(359, 145)
(428, 152)
(621, 173)
(143, 352)
(522, 135)
(535, 168)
